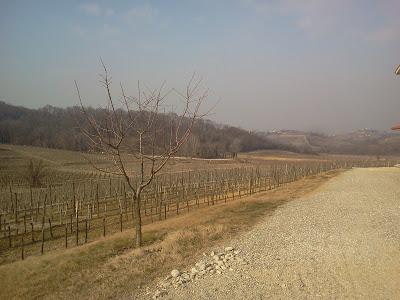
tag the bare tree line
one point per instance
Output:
(53, 127)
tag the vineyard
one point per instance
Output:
(87, 207)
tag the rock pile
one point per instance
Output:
(214, 263)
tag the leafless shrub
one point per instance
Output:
(35, 172)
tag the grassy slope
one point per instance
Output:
(73, 161)
(112, 268)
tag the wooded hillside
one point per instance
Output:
(55, 127)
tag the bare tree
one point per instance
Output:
(134, 126)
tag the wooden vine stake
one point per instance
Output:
(9, 236)
(86, 230)
(51, 228)
(66, 236)
(42, 246)
(77, 223)
(32, 232)
(22, 248)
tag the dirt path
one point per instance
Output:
(343, 241)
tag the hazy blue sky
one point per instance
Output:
(321, 65)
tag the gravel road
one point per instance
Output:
(342, 241)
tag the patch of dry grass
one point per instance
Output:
(113, 268)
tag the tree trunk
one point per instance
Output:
(138, 219)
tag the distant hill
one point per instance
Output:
(54, 127)
(364, 141)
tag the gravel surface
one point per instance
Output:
(342, 241)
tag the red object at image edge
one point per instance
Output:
(396, 127)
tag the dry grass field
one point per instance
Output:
(268, 156)
(69, 165)
(72, 164)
